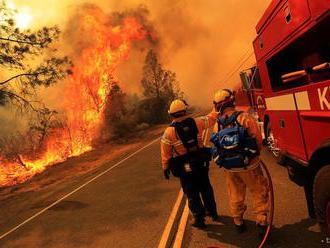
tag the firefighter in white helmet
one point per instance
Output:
(185, 156)
(237, 141)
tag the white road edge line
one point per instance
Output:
(163, 243)
(182, 227)
(77, 189)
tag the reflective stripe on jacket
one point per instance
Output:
(171, 145)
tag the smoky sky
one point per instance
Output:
(199, 40)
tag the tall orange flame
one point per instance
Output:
(84, 95)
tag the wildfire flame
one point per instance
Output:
(84, 95)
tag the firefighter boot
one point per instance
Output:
(262, 229)
(199, 223)
(240, 228)
(214, 216)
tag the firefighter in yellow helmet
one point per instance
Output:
(185, 156)
(237, 141)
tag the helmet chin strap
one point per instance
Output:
(223, 104)
(222, 108)
(179, 114)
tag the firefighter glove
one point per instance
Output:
(167, 174)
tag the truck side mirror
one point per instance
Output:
(245, 80)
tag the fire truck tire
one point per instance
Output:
(282, 159)
(321, 196)
(266, 129)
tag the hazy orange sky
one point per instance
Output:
(201, 41)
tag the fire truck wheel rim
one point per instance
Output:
(272, 143)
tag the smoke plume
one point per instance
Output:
(200, 40)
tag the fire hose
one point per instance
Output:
(271, 207)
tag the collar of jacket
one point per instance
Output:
(228, 111)
(182, 118)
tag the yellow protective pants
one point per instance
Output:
(253, 179)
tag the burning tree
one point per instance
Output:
(86, 97)
(92, 100)
(19, 49)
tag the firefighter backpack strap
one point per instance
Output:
(234, 116)
(224, 122)
(221, 123)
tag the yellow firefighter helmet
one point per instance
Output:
(222, 95)
(177, 106)
(223, 99)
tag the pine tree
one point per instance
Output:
(16, 46)
(160, 87)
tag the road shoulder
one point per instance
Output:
(76, 167)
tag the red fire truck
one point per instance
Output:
(290, 90)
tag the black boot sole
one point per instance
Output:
(240, 228)
(199, 226)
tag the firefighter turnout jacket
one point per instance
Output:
(172, 146)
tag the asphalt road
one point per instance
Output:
(126, 207)
(129, 206)
(292, 227)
